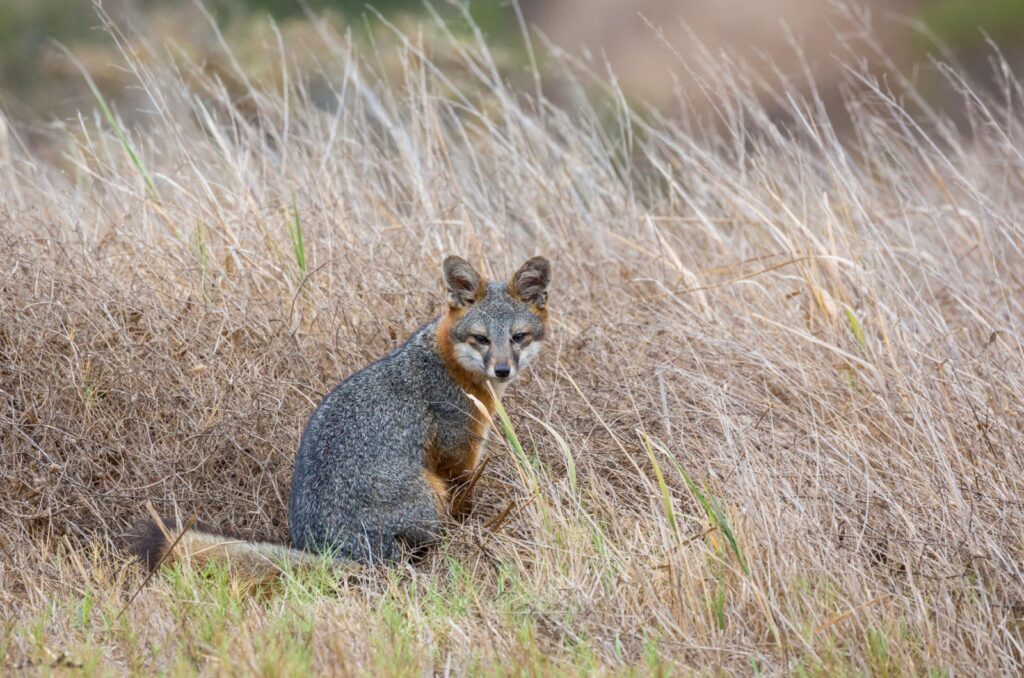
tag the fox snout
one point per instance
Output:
(502, 367)
(498, 360)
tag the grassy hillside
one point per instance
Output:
(777, 428)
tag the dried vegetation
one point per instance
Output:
(777, 428)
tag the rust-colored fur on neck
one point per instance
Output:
(454, 471)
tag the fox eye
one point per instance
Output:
(520, 338)
(480, 339)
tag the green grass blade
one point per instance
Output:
(857, 330)
(666, 496)
(712, 508)
(119, 132)
(513, 441)
(295, 232)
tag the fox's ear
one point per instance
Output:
(463, 283)
(530, 282)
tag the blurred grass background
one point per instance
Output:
(37, 81)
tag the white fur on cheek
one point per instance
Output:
(467, 356)
(527, 355)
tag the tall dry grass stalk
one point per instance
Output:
(777, 427)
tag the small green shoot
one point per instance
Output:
(666, 497)
(295, 233)
(718, 605)
(118, 131)
(715, 513)
(857, 330)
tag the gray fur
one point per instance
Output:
(358, 489)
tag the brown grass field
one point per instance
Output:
(777, 428)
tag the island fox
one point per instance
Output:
(389, 452)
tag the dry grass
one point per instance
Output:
(823, 336)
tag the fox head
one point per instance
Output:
(492, 330)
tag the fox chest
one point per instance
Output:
(454, 443)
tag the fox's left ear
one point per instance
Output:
(530, 282)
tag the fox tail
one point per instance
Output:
(251, 563)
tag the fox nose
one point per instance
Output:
(502, 371)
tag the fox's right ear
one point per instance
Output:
(463, 283)
(530, 282)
